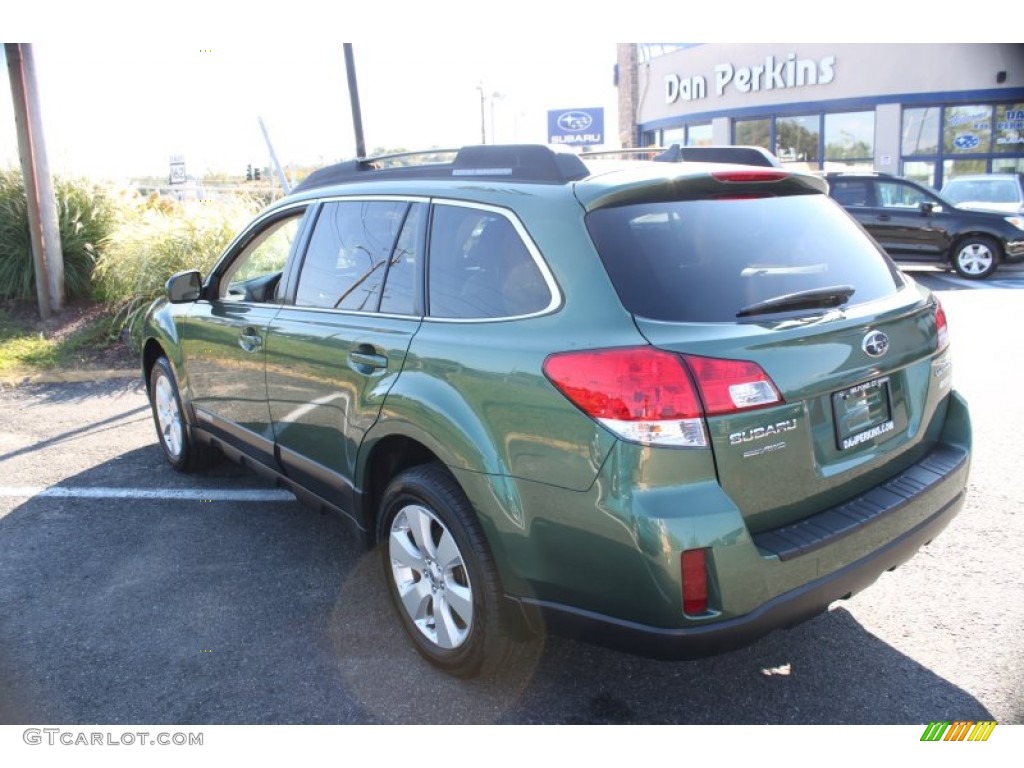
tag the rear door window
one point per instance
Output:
(706, 260)
(348, 254)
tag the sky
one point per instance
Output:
(123, 108)
(121, 93)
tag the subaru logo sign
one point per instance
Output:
(574, 121)
(966, 141)
(583, 127)
(875, 344)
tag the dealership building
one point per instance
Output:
(927, 111)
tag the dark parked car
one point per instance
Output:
(668, 407)
(915, 224)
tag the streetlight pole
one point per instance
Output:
(483, 122)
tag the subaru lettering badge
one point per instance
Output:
(574, 121)
(875, 344)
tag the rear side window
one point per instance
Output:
(706, 260)
(480, 267)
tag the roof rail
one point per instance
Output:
(505, 162)
(739, 155)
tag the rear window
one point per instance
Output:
(706, 260)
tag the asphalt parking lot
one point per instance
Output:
(132, 594)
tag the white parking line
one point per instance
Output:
(178, 494)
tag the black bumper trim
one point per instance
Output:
(826, 527)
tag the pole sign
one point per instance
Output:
(178, 169)
(576, 126)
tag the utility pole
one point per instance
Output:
(353, 95)
(47, 256)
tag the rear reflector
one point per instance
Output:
(695, 581)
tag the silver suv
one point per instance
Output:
(987, 192)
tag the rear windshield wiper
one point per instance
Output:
(816, 298)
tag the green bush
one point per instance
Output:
(157, 240)
(86, 215)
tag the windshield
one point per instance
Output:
(709, 260)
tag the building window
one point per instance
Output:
(921, 172)
(753, 133)
(967, 130)
(1009, 129)
(850, 138)
(671, 136)
(797, 139)
(699, 135)
(941, 143)
(921, 131)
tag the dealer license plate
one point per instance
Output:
(862, 413)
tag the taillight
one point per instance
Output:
(693, 563)
(653, 397)
(728, 386)
(642, 394)
(941, 330)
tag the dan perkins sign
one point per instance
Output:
(773, 74)
(576, 126)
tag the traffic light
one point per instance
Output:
(248, 172)
(256, 173)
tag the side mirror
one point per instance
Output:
(184, 287)
(928, 208)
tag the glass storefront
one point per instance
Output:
(940, 143)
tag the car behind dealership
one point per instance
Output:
(668, 407)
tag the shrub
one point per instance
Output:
(85, 218)
(158, 240)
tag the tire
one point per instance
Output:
(181, 451)
(441, 575)
(976, 257)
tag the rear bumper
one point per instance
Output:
(786, 610)
(937, 480)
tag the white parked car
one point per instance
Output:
(987, 192)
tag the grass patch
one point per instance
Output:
(80, 338)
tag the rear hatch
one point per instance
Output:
(812, 354)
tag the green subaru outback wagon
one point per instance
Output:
(668, 407)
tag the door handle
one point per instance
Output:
(884, 217)
(250, 340)
(367, 358)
